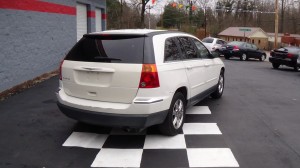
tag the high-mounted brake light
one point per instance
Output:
(60, 70)
(236, 48)
(149, 76)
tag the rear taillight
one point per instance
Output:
(149, 76)
(60, 73)
(290, 55)
(236, 48)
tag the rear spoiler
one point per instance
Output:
(113, 36)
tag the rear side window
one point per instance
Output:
(171, 50)
(188, 49)
(114, 49)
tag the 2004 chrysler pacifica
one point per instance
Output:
(137, 78)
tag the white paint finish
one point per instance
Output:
(165, 142)
(118, 158)
(98, 20)
(111, 82)
(86, 140)
(211, 157)
(119, 131)
(81, 18)
(201, 128)
(198, 110)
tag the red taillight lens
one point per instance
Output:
(149, 76)
(60, 73)
(290, 55)
(236, 48)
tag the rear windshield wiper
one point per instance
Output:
(107, 58)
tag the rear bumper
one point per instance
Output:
(113, 120)
(291, 63)
(139, 114)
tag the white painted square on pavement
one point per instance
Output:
(198, 110)
(165, 142)
(201, 128)
(211, 157)
(118, 158)
(86, 140)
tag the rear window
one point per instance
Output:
(111, 49)
(236, 43)
(208, 40)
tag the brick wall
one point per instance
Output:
(36, 35)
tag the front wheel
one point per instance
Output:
(243, 57)
(219, 91)
(175, 117)
(296, 68)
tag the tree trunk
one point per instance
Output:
(142, 24)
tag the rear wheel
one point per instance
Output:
(226, 57)
(296, 68)
(219, 91)
(176, 115)
(263, 57)
(275, 65)
(243, 57)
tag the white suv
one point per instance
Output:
(137, 78)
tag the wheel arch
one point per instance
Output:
(182, 90)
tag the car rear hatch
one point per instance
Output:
(104, 68)
(280, 54)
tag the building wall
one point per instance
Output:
(35, 35)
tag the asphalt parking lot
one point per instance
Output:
(254, 125)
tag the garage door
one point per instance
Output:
(98, 20)
(81, 13)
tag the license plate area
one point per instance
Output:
(93, 78)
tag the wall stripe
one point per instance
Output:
(91, 14)
(37, 6)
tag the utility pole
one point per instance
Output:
(149, 18)
(205, 20)
(276, 24)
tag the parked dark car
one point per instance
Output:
(243, 50)
(288, 56)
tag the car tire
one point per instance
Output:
(243, 57)
(226, 57)
(220, 89)
(175, 118)
(296, 68)
(262, 57)
(275, 65)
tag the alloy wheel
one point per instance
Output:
(178, 110)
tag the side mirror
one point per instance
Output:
(215, 54)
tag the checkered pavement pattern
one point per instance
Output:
(199, 145)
